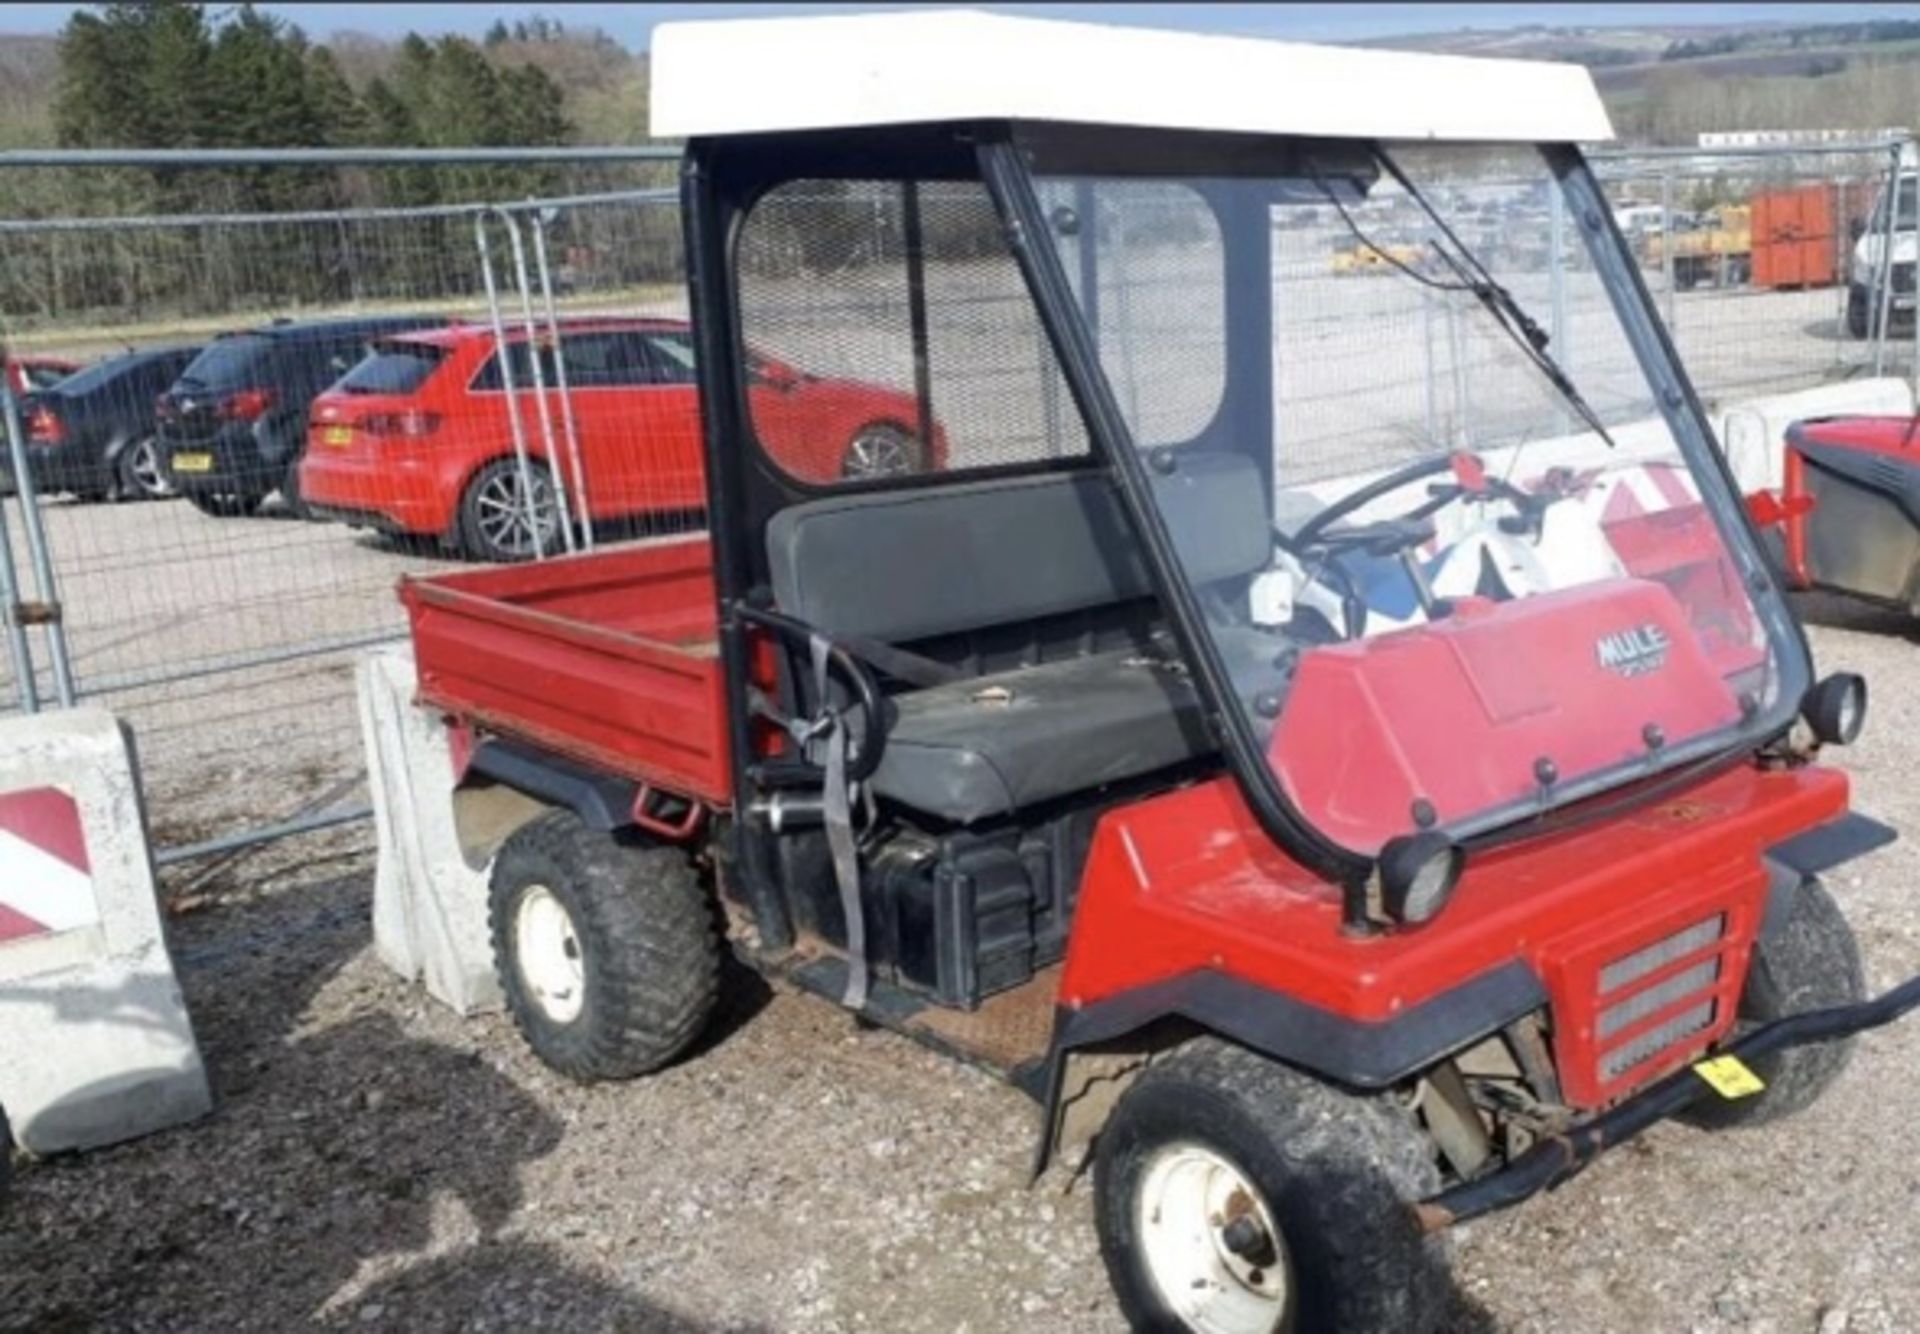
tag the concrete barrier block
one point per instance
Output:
(95, 1042)
(429, 905)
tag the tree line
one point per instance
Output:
(175, 75)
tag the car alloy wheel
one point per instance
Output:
(507, 519)
(882, 451)
(145, 474)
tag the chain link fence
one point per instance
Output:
(304, 375)
(303, 379)
(1765, 261)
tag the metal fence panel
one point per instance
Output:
(225, 628)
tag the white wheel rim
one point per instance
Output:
(546, 950)
(1193, 1204)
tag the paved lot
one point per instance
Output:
(377, 1164)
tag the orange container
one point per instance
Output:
(1794, 237)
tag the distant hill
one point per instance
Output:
(1663, 83)
(1667, 83)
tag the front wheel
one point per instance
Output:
(503, 508)
(222, 505)
(1809, 962)
(606, 950)
(1234, 1195)
(882, 451)
(1858, 324)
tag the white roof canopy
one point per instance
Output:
(749, 76)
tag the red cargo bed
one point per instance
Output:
(609, 658)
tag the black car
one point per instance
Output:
(92, 433)
(233, 424)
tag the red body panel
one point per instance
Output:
(1796, 509)
(1459, 710)
(640, 444)
(1188, 880)
(1896, 437)
(609, 658)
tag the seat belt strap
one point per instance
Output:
(837, 815)
(902, 665)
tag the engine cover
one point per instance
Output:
(1468, 713)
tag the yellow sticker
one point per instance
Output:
(1729, 1077)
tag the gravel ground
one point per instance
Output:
(376, 1163)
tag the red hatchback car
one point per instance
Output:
(417, 438)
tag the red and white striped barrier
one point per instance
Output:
(95, 1042)
(46, 882)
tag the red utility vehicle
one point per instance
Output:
(1351, 832)
(418, 438)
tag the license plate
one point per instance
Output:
(193, 463)
(337, 435)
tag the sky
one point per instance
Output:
(632, 23)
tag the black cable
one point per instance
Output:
(1379, 250)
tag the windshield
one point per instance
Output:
(227, 361)
(1448, 544)
(393, 366)
(1904, 209)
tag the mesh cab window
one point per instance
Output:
(895, 307)
(1147, 264)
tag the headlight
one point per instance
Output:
(1836, 708)
(1417, 875)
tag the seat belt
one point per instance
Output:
(902, 665)
(824, 740)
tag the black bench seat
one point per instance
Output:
(935, 567)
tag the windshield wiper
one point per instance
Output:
(1474, 277)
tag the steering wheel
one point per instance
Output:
(1389, 537)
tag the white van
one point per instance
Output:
(1869, 254)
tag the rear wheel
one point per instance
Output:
(881, 450)
(139, 472)
(290, 489)
(606, 950)
(1236, 1196)
(501, 510)
(1809, 962)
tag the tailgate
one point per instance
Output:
(609, 658)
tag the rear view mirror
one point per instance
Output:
(1857, 228)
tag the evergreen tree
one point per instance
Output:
(257, 77)
(344, 120)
